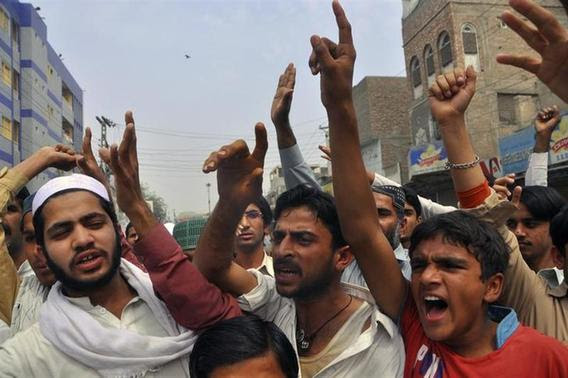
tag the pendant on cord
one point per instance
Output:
(302, 341)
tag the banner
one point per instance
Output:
(559, 143)
(515, 150)
(427, 158)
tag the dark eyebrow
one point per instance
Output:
(91, 216)
(450, 260)
(299, 234)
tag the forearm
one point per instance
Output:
(214, 252)
(542, 142)
(284, 135)
(295, 169)
(460, 150)
(141, 218)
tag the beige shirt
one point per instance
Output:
(538, 304)
(29, 354)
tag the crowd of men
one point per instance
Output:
(375, 281)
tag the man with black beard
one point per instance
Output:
(102, 317)
(11, 221)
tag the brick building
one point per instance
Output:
(439, 35)
(381, 105)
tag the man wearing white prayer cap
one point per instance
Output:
(102, 317)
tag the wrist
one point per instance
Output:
(141, 217)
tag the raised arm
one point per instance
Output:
(191, 299)
(295, 169)
(239, 182)
(544, 124)
(355, 204)
(547, 37)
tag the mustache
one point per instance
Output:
(285, 263)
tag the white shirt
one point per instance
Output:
(31, 295)
(30, 354)
(267, 266)
(378, 350)
(4, 331)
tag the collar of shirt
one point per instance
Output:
(25, 270)
(508, 322)
(553, 276)
(401, 253)
(266, 266)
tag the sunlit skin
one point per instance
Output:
(409, 223)
(76, 226)
(453, 274)
(34, 254)
(388, 218)
(534, 239)
(265, 366)
(132, 236)
(249, 238)
(11, 222)
(303, 245)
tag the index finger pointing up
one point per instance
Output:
(261, 144)
(342, 23)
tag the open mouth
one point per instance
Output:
(88, 261)
(435, 307)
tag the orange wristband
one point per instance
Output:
(474, 197)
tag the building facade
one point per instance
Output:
(40, 102)
(439, 35)
(381, 104)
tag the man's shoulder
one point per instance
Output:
(533, 342)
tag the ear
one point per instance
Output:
(493, 288)
(267, 230)
(419, 219)
(558, 257)
(343, 257)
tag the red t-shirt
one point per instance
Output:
(526, 353)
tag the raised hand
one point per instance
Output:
(451, 94)
(123, 161)
(547, 119)
(547, 37)
(60, 157)
(334, 62)
(239, 172)
(282, 102)
(326, 152)
(502, 184)
(87, 162)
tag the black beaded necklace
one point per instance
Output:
(304, 341)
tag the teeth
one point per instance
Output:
(432, 298)
(88, 258)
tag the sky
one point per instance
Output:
(129, 55)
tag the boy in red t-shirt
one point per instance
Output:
(448, 323)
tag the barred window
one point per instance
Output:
(429, 60)
(415, 72)
(469, 37)
(445, 49)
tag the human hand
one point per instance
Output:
(502, 184)
(334, 62)
(450, 95)
(546, 120)
(59, 156)
(282, 102)
(326, 152)
(239, 172)
(547, 37)
(87, 162)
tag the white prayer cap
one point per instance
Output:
(74, 181)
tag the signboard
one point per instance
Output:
(515, 150)
(559, 143)
(427, 158)
(491, 168)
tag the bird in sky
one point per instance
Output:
(187, 56)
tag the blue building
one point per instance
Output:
(40, 101)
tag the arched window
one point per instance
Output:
(416, 76)
(470, 48)
(445, 50)
(429, 62)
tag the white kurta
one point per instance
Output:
(378, 351)
(30, 354)
(31, 296)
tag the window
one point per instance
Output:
(6, 74)
(67, 132)
(16, 83)
(50, 112)
(429, 62)
(6, 129)
(16, 132)
(67, 96)
(15, 33)
(49, 71)
(445, 51)
(416, 77)
(4, 21)
(470, 48)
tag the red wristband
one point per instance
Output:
(474, 197)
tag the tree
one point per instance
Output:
(158, 205)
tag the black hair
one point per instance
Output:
(39, 222)
(542, 202)
(128, 227)
(412, 199)
(559, 230)
(462, 229)
(238, 339)
(264, 208)
(320, 203)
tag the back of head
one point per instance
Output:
(320, 203)
(462, 229)
(237, 340)
(542, 202)
(559, 230)
(412, 199)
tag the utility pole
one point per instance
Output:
(105, 123)
(208, 185)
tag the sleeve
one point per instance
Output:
(263, 300)
(11, 361)
(410, 326)
(193, 301)
(523, 290)
(10, 183)
(537, 171)
(295, 169)
(429, 207)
